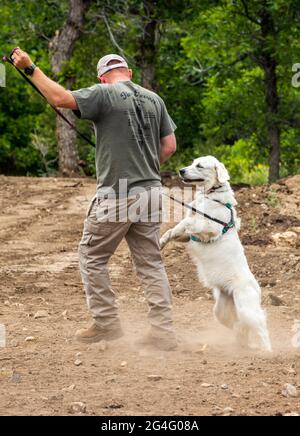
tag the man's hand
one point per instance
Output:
(21, 59)
(54, 93)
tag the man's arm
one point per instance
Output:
(168, 147)
(55, 94)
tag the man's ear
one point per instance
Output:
(222, 173)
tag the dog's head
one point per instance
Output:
(206, 171)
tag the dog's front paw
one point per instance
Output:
(165, 239)
(162, 243)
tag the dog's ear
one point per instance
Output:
(222, 173)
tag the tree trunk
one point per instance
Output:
(61, 49)
(269, 65)
(274, 133)
(67, 146)
(149, 42)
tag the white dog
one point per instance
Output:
(217, 251)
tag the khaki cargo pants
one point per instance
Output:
(99, 242)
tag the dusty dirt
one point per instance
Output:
(41, 224)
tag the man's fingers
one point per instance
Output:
(20, 58)
(16, 53)
(15, 57)
(15, 50)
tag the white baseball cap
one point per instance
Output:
(103, 67)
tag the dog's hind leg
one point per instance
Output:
(250, 314)
(224, 309)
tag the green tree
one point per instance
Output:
(240, 48)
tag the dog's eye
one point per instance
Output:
(199, 166)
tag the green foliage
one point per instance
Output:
(225, 47)
(22, 112)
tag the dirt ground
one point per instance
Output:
(40, 227)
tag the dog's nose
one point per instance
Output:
(182, 172)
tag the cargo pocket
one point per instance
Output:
(100, 229)
(95, 234)
(84, 249)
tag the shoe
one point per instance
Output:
(95, 333)
(162, 341)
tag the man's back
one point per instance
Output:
(129, 123)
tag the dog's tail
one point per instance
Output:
(250, 313)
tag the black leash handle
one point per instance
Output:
(59, 113)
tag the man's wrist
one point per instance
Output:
(30, 70)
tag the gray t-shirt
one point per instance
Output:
(129, 121)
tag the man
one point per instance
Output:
(134, 135)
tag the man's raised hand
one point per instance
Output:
(20, 58)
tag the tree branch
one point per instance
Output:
(202, 71)
(111, 35)
(246, 13)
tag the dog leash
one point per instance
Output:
(59, 113)
(226, 226)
